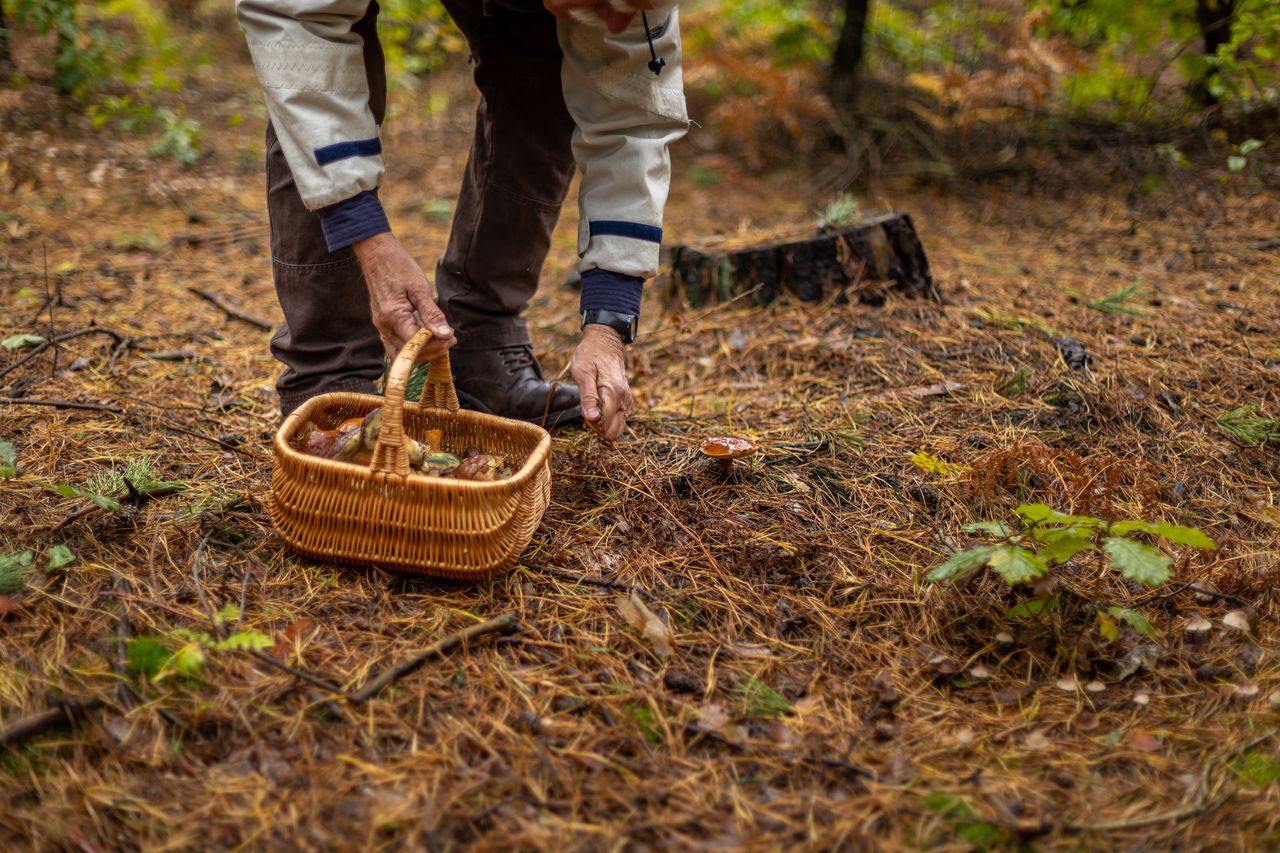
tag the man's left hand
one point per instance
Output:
(600, 369)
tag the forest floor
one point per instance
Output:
(817, 693)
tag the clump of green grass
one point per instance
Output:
(759, 700)
(842, 212)
(1246, 426)
(1116, 303)
(141, 472)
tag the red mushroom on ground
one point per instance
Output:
(723, 449)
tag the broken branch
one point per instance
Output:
(230, 310)
(507, 623)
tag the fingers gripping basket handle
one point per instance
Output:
(389, 455)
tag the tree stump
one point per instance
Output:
(863, 261)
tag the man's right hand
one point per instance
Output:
(398, 290)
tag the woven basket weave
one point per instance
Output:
(384, 516)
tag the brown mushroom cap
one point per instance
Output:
(726, 447)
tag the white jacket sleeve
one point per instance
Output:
(626, 120)
(311, 68)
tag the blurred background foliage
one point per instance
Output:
(919, 86)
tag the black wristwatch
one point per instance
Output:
(626, 325)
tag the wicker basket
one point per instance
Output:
(384, 516)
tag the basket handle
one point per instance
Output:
(389, 455)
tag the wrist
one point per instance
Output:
(625, 326)
(374, 244)
(602, 333)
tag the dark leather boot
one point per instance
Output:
(508, 381)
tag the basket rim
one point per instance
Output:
(538, 457)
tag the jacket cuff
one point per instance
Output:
(352, 220)
(603, 290)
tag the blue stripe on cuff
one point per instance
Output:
(342, 150)
(618, 228)
(353, 220)
(603, 290)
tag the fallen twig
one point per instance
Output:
(35, 724)
(65, 336)
(507, 623)
(585, 579)
(223, 444)
(61, 404)
(230, 310)
(301, 674)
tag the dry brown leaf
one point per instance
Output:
(644, 620)
(713, 718)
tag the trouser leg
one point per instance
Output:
(328, 341)
(517, 175)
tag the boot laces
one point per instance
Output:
(517, 358)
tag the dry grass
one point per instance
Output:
(805, 702)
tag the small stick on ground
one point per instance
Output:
(65, 336)
(300, 674)
(61, 404)
(232, 311)
(36, 724)
(507, 623)
(585, 579)
(219, 442)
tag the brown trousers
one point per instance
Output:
(517, 176)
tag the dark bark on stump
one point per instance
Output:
(864, 261)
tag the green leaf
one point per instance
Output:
(1181, 535)
(1107, 627)
(251, 641)
(14, 342)
(228, 613)
(1035, 512)
(1033, 607)
(8, 460)
(63, 489)
(995, 528)
(147, 656)
(60, 557)
(1134, 620)
(1138, 562)
(1040, 513)
(1064, 548)
(1124, 528)
(961, 564)
(1236, 163)
(1249, 146)
(13, 571)
(106, 502)
(1050, 535)
(1017, 565)
(187, 661)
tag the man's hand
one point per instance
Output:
(401, 298)
(613, 19)
(600, 369)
